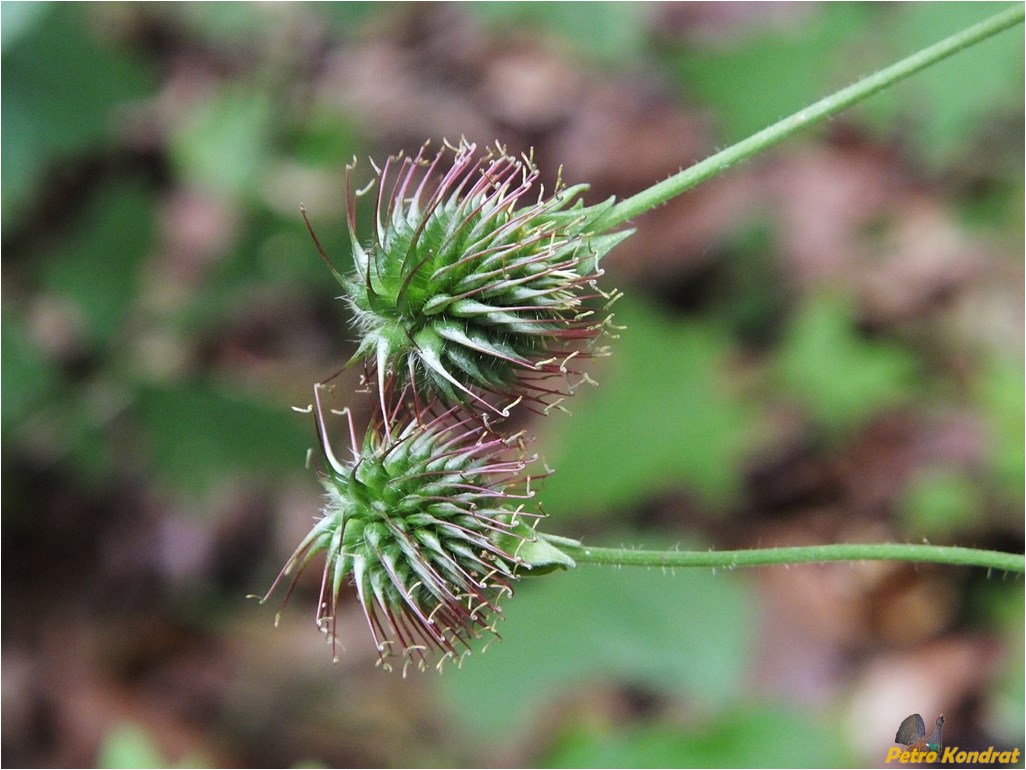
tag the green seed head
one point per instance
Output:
(426, 522)
(471, 288)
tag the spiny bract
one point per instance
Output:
(466, 290)
(426, 522)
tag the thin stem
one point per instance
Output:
(939, 554)
(670, 188)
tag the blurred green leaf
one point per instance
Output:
(686, 634)
(604, 32)
(996, 208)
(227, 24)
(273, 255)
(945, 105)
(29, 377)
(19, 18)
(88, 446)
(1006, 713)
(63, 421)
(754, 301)
(756, 82)
(128, 746)
(664, 414)
(347, 18)
(97, 267)
(224, 147)
(775, 71)
(999, 393)
(326, 141)
(939, 502)
(60, 89)
(765, 737)
(838, 376)
(198, 435)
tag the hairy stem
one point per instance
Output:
(756, 557)
(670, 188)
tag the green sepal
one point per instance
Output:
(573, 210)
(601, 245)
(536, 551)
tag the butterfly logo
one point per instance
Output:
(912, 733)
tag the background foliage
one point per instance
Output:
(823, 345)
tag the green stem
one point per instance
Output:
(670, 188)
(756, 557)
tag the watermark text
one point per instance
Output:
(952, 755)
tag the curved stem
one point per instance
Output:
(940, 554)
(670, 188)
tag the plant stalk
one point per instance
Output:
(684, 180)
(757, 557)
(664, 191)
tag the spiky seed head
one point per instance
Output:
(426, 522)
(474, 283)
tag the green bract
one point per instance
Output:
(467, 289)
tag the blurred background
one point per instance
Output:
(825, 344)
